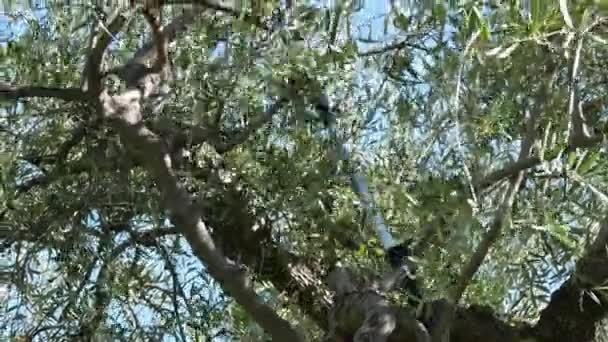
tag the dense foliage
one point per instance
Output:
(481, 129)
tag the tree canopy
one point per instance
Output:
(170, 170)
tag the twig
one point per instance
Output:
(334, 28)
(395, 46)
(102, 297)
(532, 161)
(597, 192)
(577, 125)
(176, 288)
(242, 136)
(456, 100)
(506, 172)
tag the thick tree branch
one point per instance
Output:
(151, 50)
(292, 275)
(124, 114)
(502, 215)
(160, 43)
(577, 307)
(171, 31)
(67, 94)
(92, 74)
(445, 319)
(362, 314)
(189, 221)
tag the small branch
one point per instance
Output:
(67, 94)
(177, 288)
(92, 74)
(136, 74)
(503, 213)
(60, 170)
(170, 31)
(199, 134)
(388, 48)
(532, 161)
(102, 297)
(239, 138)
(395, 46)
(506, 172)
(71, 301)
(78, 133)
(334, 27)
(232, 11)
(594, 190)
(149, 238)
(456, 104)
(578, 137)
(159, 41)
(577, 120)
(501, 218)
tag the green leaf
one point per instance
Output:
(362, 251)
(482, 24)
(402, 22)
(440, 13)
(571, 162)
(379, 251)
(553, 153)
(588, 163)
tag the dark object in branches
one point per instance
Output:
(398, 257)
